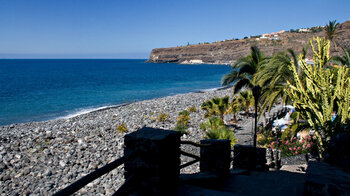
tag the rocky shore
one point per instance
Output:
(40, 158)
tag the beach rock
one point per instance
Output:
(40, 158)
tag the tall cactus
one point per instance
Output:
(315, 95)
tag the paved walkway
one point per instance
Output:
(253, 183)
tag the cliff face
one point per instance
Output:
(230, 51)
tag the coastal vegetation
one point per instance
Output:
(331, 30)
(244, 69)
(182, 122)
(162, 117)
(216, 107)
(215, 128)
(320, 93)
(122, 128)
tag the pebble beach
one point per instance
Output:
(40, 158)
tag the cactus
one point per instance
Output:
(315, 94)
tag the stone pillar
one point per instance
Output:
(245, 155)
(156, 165)
(215, 158)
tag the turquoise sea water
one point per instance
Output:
(37, 90)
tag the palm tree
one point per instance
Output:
(273, 77)
(331, 30)
(216, 106)
(246, 99)
(342, 60)
(244, 69)
(234, 108)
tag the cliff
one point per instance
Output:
(226, 52)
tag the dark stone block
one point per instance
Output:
(324, 179)
(339, 151)
(245, 158)
(216, 158)
(157, 161)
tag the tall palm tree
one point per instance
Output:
(331, 30)
(217, 106)
(273, 77)
(244, 69)
(342, 60)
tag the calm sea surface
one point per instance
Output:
(37, 90)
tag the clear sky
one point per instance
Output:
(131, 28)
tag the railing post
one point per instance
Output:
(216, 157)
(157, 162)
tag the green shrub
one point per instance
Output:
(222, 134)
(216, 129)
(122, 128)
(192, 109)
(162, 117)
(184, 113)
(180, 127)
(182, 119)
(182, 122)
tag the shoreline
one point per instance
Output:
(40, 158)
(82, 111)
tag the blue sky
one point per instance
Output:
(131, 29)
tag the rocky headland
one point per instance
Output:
(228, 51)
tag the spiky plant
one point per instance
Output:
(331, 30)
(217, 106)
(244, 69)
(273, 77)
(234, 108)
(216, 129)
(246, 99)
(315, 96)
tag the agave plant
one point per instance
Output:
(217, 106)
(322, 89)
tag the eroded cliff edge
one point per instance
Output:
(226, 52)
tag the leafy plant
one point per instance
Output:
(321, 92)
(192, 109)
(234, 108)
(290, 145)
(184, 113)
(162, 117)
(244, 69)
(331, 30)
(216, 107)
(246, 99)
(122, 128)
(216, 129)
(180, 127)
(182, 122)
(183, 118)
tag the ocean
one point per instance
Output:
(44, 89)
